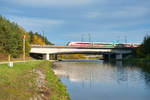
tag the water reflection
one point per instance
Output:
(103, 80)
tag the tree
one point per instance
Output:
(35, 38)
(31, 34)
(11, 38)
(27, 44)
(40, 41)
(139, 51)
(144, 49)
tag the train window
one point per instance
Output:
(82, 43)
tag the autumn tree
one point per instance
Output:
(40, 41)
(35, 38)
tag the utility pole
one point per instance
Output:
(89, 37)
(43, 37)
(24, 37)
(126, 39)
(82, 37)
(118, 39)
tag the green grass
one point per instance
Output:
(19, 82)
(58, 90)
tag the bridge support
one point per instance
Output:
(54, 56)
(51, 57)
(118, 56)
(107, 57)
(47, 56)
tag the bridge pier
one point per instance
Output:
(54, 56)
(51, 57)
(47, 56)
(118, 56)
(108, 57)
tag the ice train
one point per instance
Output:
(101, 44)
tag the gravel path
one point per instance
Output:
(41, 84)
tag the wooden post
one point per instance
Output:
(10, 64)
(9, 57)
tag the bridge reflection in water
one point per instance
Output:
(102, 80)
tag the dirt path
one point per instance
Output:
(41, 84)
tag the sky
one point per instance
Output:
(63, 21)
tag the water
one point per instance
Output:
(96, 80)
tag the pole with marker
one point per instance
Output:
(24, 37)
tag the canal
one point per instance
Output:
(97, 80)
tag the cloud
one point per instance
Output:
(124, 13)
(9, 10)
(37, 24)
(53, 2)
(126, 19)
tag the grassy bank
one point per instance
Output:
(22, 82)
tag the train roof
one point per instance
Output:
(103, 42)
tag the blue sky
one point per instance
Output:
(68, 20)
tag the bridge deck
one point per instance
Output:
(79, 47)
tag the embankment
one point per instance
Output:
(31, 81)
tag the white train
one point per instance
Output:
(101, 44)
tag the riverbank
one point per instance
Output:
(31, 81)
(143, 63)
(137, 60)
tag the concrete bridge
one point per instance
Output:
(50, 52)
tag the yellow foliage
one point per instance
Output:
(35, 37)
(40, 41)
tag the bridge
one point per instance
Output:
(50, 52)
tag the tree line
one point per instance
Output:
(143, 51)
(11, 38)
(38, 39)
